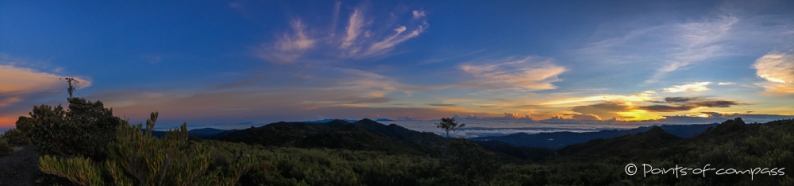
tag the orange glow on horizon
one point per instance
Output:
(8, 121)
(639, 115)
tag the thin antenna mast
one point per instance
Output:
(71, 88)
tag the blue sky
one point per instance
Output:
(227, 62)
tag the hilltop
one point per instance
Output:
(364, 134)
(558, 140)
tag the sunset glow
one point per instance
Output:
(639, 115)
(223, 63)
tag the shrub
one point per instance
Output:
(24, 125)
(15, 137)
(5, 148)
(138, 158)
(468, 164)
(84, 130)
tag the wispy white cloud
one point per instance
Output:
(363, 36)
(289, 47)
(614, 50)
(299, 41)
(526, 74)
(353, 29)
(673, 46)
(690, 87)
(17, 80)
(395, 39)
(373, 41)
(576, 101)
(778, 70)
(418, 14)
(725, 83)
(776, 67)
(695, 42)
(586, 117)
(334, 19)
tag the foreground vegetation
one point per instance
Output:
(369, 153)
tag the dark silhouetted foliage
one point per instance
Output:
(624, 146)
(15, 137)
(449, 124)
(512, 153)
(337, 134)
(84, 130)
(138, 158)
(468, 164)
(5, 147)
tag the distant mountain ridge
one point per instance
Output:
(650, 140)
(552, 140)
(370, 135)
(329, 120)
(201, 133)
(557, 140)
(364, 134)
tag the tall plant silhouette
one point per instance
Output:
(449, 124)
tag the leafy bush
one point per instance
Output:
(138, 158)
(25, 124)
(468, 164)
(85, 130)
(5, 147)
(15, 137)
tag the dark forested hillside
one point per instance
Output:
(337, 134)
(624, 146)
(557, 140)
(732, 144)
(205, 132)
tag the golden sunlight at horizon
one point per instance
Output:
(639, 115)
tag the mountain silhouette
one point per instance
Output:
(557, 140)
(623, 146)
(364, 134)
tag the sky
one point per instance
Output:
(242, 63)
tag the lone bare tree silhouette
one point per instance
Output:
(449, 124)
(71, 88)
